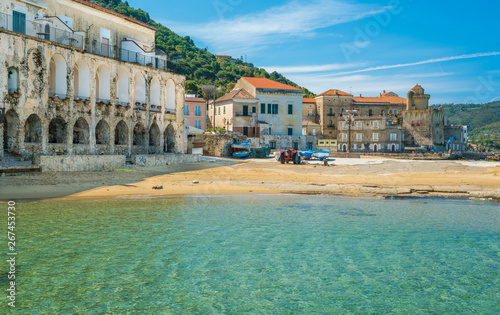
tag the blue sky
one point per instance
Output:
(451, 48)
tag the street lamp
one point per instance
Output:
(349, 117)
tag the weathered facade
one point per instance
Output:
(62, 95)
(195, 111)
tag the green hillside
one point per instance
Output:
(481, 119)
(198, 65)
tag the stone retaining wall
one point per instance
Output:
(81, 163)
(165, 159)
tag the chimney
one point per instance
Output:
(360, 95)
(384, 91)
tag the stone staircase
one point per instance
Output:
(12, 163)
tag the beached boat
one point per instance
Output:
(241, 154)
(321, 154)
(242, 145)
(307, 154)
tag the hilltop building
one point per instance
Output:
(77, 78)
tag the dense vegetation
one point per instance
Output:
(198, 65)
(483, 121)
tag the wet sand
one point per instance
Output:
(385, 177)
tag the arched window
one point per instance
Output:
(155, 92)
(102, 132)
(58, 72)
(140, 88)
(139, 135)
(170, 139)
(103, 77)
(121, 133)
(122, 87)
(33, 129)
(154, 135)
(81, 132)
(82, 80)
(57, 130)
(170, 95)
(13, 79)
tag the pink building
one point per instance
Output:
(195, 109)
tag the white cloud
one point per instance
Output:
(276, 24)
(311, 68)
(444, 59)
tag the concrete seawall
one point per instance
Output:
(81, 163)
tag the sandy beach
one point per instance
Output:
(365, 176)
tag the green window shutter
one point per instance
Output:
(290, 109)
(269, 108)
(262, 108)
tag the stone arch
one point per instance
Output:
(12, 80)
(140, 88)
(81, 132)
(170, 95)
(81, 76)
(103, 79)
(58, 73)
(102, 132)
(139, 137)
(10, 130)
(154, 135)
(344, 148)
(169, 139)
(122, 86)
(33, 129)
(375, 148)
(121, 133)
(57, 130)
(154, 92)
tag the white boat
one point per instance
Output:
(242, 145)
(321, 154)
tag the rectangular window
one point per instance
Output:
(262, 108)
(370, 112)
(254, 109)
(359, 125)
(224, 109)
(375, 136)
(198, 124)
(309, 146)
(330, 123)
(186, 110)
(275, 109)
(375, 125)
(218, 112)
(344, 137)
(245, 131)
(344, 126)
(290, 131)
(330, 111)
(272, 144)
(295, 145)
(394, 136)
(290, 109)
(359, 137)
(269, 108)
(198, 110)
(254, 131)
(19, 22)
(395, 112)
(245, 110)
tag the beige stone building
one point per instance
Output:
(236, 111)
(309, 110)
(77, 78)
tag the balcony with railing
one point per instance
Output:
(149, 60)
(41, 29)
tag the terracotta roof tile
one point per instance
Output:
(380, 99)
(306, 100)
(264, 83)
(333, 92)
(98, 7)
(309, 123)
(194, 99)
(241, 94)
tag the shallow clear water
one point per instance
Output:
(258, 254)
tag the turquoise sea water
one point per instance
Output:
(257, 254)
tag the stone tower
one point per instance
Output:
(417, 99)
